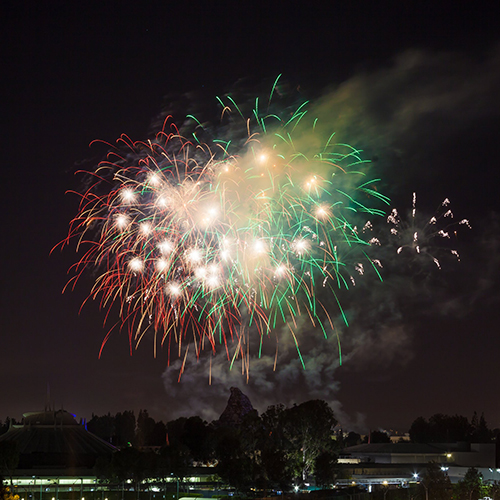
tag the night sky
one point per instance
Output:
(417, 87)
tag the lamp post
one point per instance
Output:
(177, 479)
(386, 485)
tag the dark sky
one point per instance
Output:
(415, 86)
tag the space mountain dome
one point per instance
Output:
(55, 440)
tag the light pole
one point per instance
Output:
(177, 479)
(386, 484)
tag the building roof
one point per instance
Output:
(395, 448)
(53, 439)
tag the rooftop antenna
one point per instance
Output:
(47, 398)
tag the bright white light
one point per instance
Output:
(262, 158)
(145, 228)
(200, 272)
(227, 242)
(210, 215)
(213, 212)
(136, 264)
(173, 289)
(321, 211)
(213, 269)
(311, 182)
(194, 255)
(154, 179)
(163, 201)
(127, 195)
(300, 246)
(121, 221)
(213, 281)
(161, 265)
(166, 247)
(281, 270)
(259, 247)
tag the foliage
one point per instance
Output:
(122, 429)
(480, 432)
(129, 464)
(125, 428)
(281, 446)
(444, 429)
(471, 487)
(192, 433)
(144, 435)
(494, 491)
(309, 428)
(9, 457)
(103, 426)
(379, 437)
(325, 469)
(436, 483)
(6, 492)
(237, 450)
(352, 439)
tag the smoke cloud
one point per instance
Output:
(417, 118)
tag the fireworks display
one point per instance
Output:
(200, 241)
(418, 235)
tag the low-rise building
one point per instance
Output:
(403, 463)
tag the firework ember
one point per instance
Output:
(418, 235)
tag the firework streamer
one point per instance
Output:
(202, 242)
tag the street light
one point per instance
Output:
(177, 479)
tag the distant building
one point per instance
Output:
(402, 463)
(57, 458)
(55, 454)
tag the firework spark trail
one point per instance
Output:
(202, 241)
(418, 234)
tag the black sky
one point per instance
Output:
(415, 84)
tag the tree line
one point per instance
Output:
(276, 450)
(451, 428)
(436, 485)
